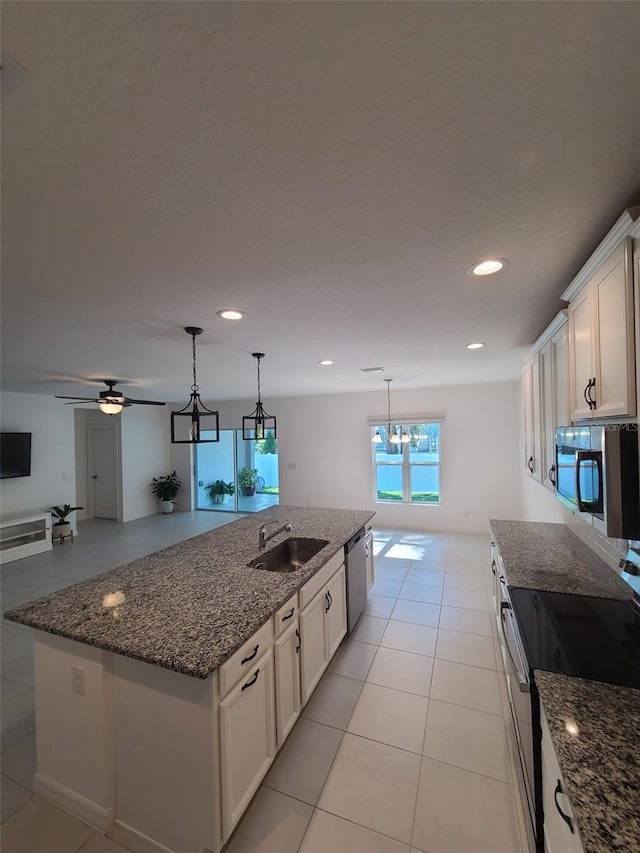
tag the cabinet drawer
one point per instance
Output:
(240, 663)
(320, 579)
(286, 615)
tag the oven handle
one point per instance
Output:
(523, 682)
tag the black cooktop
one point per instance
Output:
(595, 638)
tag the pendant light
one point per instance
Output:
(255, 425)
(394, 438)
(198, 418)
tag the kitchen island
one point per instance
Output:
(165, 687)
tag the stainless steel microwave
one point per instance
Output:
(597, 475)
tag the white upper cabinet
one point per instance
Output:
(546, 402)
(601, 331)
(554, 395)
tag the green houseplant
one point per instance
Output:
(166, 490)
(62, 526)
(248, 478)
(217, 491)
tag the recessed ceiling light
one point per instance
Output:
(231, 314)
(487, 267)
(325, 362)
(372, 369)
(475, 346)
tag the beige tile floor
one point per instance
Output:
(401, 749)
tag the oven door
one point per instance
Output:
(519, 689)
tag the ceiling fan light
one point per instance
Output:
(109, 407)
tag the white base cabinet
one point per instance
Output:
(247, 740)
(560, 829)
(25, 536)
(287, 661)
(323, 624)
(368, 544)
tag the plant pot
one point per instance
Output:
(63, 529)
(248, 491)
(166, 506)
(217, 499)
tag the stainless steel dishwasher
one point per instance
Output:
(355, 558)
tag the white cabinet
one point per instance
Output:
(532, 435)
(25, 536)
(554, 398)
(368, 544)
(247, 739)
(336, 612)
(323, 624)
(287, 661)
(601, 335)
(560, 830)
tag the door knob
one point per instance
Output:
(94, 476)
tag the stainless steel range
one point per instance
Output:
(581, 636)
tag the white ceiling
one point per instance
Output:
(332, 169)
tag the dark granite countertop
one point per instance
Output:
(550, 558)
(190, 606)
(599, 757)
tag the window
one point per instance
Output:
(410, 472)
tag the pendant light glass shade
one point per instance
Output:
(189, 424)
(110, 408)
(392, 435)
(256, 425)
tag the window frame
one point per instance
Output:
(405, 464)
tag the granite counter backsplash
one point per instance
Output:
(550, 558)
(190, 606)
(600, 765)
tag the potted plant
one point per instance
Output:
(248, 478)
(217, 491)
(62, 527)
(166, 490)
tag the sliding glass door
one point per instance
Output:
(234, 475)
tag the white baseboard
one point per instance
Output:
(134, 840)
(88, 812)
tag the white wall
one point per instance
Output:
(325, 451)
(145, 437)
(52, 481)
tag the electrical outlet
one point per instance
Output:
(77, 679)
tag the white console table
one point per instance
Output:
(24, 536)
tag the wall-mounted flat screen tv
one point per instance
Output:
(15, 454)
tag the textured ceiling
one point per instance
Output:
(332, 169)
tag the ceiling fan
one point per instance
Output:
(110, 402)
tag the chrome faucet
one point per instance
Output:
(262, 533)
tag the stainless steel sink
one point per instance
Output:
(288, 555)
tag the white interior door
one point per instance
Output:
(103, 471)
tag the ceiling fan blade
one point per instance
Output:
(143, 402)
(77, 399)
(80, 402)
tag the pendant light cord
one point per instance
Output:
(258, 360)
(194, 387)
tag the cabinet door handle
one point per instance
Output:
(252, 681)
(328, 600)
(251, 656)
(530, 464)
(592, 399)
(585, 394)
(493, 567)
(299, 642)
(564, 817)
(289, 615)
(551, 473)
